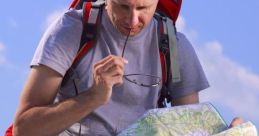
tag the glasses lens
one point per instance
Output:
(143, 80)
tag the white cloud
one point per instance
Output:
(182, 27)
(51, 18)
(232, 85)
(2, 57)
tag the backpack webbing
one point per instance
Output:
(91, 19)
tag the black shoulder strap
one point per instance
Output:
(91, 18)
(92, 12)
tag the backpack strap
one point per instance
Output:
(75, 4)
(91, 19)
(171, 32)
(168, 46)
(92, 12)
(168, 56)
(163, 49)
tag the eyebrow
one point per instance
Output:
(123, 2)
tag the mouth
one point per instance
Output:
(125, 29)
(132, 29)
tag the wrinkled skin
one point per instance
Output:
(131, 15)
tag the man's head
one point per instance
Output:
(131, 14)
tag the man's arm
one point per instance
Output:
(189, 99)
(37, 115)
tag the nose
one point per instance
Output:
(133, 19)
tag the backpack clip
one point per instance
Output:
(164, 44)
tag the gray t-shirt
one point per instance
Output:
(58, 48)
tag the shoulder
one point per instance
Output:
(182, 39)
(184, 45)
(60, 42)
(73, 15)
(68, 19)
(186, 51)
(180, 35)
(66, 28)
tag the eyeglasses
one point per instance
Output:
(144, 80)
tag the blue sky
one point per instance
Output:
(224, 34)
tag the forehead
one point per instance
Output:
(135, 2)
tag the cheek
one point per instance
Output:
(118, 17)
(144, 19)
(146, 16)
(113, 13)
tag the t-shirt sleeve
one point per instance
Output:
(59, 44)
(191, 72)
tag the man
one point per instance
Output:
(106, 103)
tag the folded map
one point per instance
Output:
(188, 120)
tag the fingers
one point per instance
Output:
(236, 121)
(114, 75)
(102, 61)
(110, 61)
(117, 62)
(113, 71)
(110, 69)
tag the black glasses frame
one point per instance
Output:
(127, 76)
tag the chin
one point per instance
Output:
(134, 33)
(131, 33)
(125, 32)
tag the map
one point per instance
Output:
(245, 129)
(188, 120)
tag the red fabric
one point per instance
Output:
(74, 4)
(170, 8)
(162, 29)
(9, 131)
(83, 51)
(89, 45)
(87, 9)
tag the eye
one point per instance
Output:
(120, 5)
(126, 7)
(141, 8)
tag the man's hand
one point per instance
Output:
(236, 121)
(107, 73)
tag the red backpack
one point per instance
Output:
(166, 14)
